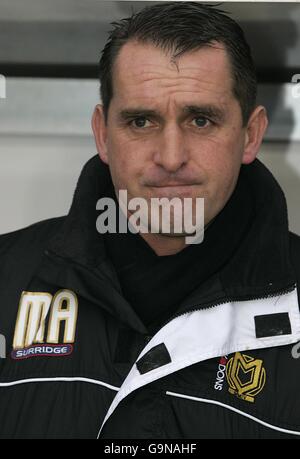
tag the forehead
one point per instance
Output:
(145, 72)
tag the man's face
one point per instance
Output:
(174, 131)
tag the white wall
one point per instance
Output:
(38, 176)
(283, 160)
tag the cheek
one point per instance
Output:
(224, 153)
(220, 158)
(224, 174)
(124, 163)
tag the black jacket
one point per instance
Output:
(81, 364)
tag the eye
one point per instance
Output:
(139, 122)
(201, 121)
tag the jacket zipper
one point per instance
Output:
(194, 308)
(211, 305)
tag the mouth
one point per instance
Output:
(174, 190)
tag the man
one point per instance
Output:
(142, 335)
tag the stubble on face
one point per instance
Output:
(172, 155)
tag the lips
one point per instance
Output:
(169, 185)
(173, 190)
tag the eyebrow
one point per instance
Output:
(209, 111)
(136, 112)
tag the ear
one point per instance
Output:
(100, 132)
(255, 130)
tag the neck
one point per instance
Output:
(164, 245)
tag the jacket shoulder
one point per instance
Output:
(31, 239)
(20, 254)
(294, 243)
(295, 255)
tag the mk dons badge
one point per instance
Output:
(246, 376)
(46, 324)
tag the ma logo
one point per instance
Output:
(39, 328)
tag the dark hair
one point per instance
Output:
(179, 27)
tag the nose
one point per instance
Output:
(171, 151)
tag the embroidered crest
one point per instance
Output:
(246, 376)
